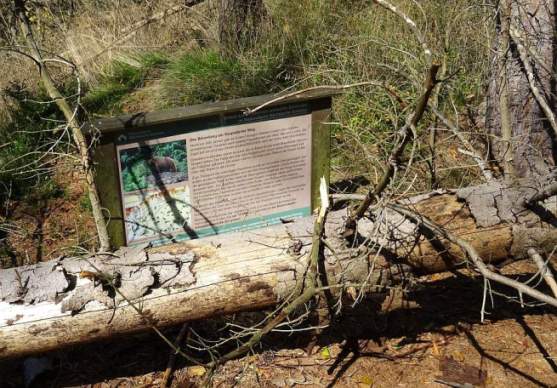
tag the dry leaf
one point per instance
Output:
(366, 380)
(435, 349)
(458, 356)
(197, 371)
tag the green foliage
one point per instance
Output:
(305, 43)
(23, 137)
(119, 80)
(85, 203)
(204, 75)
(136, 169)
(323, 42)
(47, 189)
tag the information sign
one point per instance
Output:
(210, 172)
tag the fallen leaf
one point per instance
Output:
(197, 371)
(435, 349)
(458, 356)
(366, 380)
(325, 353)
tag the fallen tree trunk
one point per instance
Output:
(68, 301)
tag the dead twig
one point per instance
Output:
(321, 87)
(109, 280)
(410, 23)
(172, 358)
(311, 287)
(470, 151)
(545, 272)
(504, 96)
(132, 30)
(473, 255)
(524, 58)
(72, 122)
(404, 135)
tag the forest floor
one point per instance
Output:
(404, 339)
(409, 344)
(49, 224)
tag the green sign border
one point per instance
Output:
(108, 132)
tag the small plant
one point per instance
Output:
(23, 139)
(85, 203)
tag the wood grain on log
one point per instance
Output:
(56, 304)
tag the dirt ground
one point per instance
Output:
(407, 344)
(44, 227)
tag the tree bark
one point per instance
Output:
(66, 302)
(522, 139)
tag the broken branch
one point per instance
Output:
(474, 257)
(545, 272)
(404, 135)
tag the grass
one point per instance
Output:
(119, 80)
(205, 76)
(201, 76)
(306, 43)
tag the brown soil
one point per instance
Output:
(45, 227)
(405, 345)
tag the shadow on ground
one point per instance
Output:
(447, 306)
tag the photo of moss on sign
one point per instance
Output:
(156, 165)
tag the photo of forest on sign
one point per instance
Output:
(155, 165)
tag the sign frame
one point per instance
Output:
(109, 132)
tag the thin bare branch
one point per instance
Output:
(172, 358)
(525, 59)
(410, 23)
(311, 283)
(404, 135)
(504, 98)
(473, 255)
(471, 151)
(72, 123)
(322, 87)
(545, 272)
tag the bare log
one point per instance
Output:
(60, 303)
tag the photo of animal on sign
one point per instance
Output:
(155, 190)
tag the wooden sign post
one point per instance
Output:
(212, 168)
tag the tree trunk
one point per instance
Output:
(239, 24)
(72, 301)
(522, 139)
